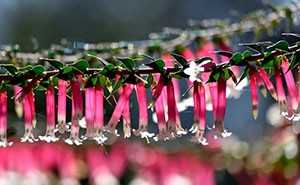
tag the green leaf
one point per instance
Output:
(247, 54)
(180, 59)
(150, 80)
(55, 63)
(37, 70)
(117, 85)
(147, 56)
(66, 70)
(245, 74)
(254, 46)
(157, 65)
(281, 45)
(200, 60)
(108, 71)
(214, 76)
(91, 82)
(25, 68)
(10, 68)
(66, 73)
(236, 58)
(81, 65)
(294, 61)
(224, 53)
(128, 63)
(39, 87)
(268, 60)
(229, 74)
(102, 80)
(131, 79)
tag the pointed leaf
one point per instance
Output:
(224, 53)
(247, 54)
(157, 65)
(214, 76)
(254, 46)
(37, 70)
(91, 82)
(81, 65)
(128, 63)
(236, 58)
(117, 85)
(108, 71)
(295, 59)
(54, 63)
(268, 60)
(244, 75)
(281, 45)
(149, 81)
(10, 68)
(200, 60)
(180, 59)
(102, 80)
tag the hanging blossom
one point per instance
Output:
(126, 120)
(143, 112)
(218, 127)
(169, 61)
(124, 98)
(50, 116)
(18, 105)
(89, 112)
(62, 127)
(28, 102)
(158, 89)
(292, 89)
(99, 115)
(280, 92)
(199, 124)
(253, 95)
(232, 89)
(3, 119)
(77, 109)
(268, 83)
(174, 128)
(161, 120)
(27, 89)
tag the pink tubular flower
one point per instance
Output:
(143, 112)
(218, 128)
(199, 114)
(28, 88)
(74, 135)
(89, 112)
(77, 99)
(259, 80)
(3, 119)
(124, 98)
(32, 106)
(161, 120)
(174, 128)
(254, 95)
(159, 89)
(268, 83)
(62, 106)
(18, 105)
(169, 63)
(291, 86)
(28, 118)
(126, 120)
(280, 93)
(77, 108)
(50, 116)
(99, 114)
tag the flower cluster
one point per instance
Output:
(94, 92)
